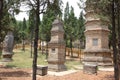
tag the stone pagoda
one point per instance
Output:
(8, 45)
(96, 33)
(56, 57)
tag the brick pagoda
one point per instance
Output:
(56, 57)
(96, 33)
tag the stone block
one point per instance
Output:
(57, 67)
(7, 58)
(42, 70)
(90, 68)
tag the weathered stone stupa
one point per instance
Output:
(8, 45)
(96, 33)
(56, 57)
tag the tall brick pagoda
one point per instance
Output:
(96, 33)
(56, 57)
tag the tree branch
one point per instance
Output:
(31, 4)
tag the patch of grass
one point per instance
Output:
(71, 63)
(22, 59)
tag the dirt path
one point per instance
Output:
(25, 74)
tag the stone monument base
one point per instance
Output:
(90, 68)
(101, 58)
(42, 70)
(7, 58)
(57, 67)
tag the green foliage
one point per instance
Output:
(52, 11)
(31, 24)
(10, 7)
(46, 25)
(17, 32)
(56, 7)
(24, 27)
(70, 25)
(81, 28)
(71, 63)
(101, 7)
(66, 13)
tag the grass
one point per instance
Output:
(22, 59)
(71, 63)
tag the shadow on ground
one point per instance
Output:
(109, 77)
(15, 74)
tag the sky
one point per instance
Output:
(73, 3)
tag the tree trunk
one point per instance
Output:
(1, 10)
(65, 48)
(1, 47)
(118, 21)
(114, 41)
(47, 50)
(23, 45)
(1, 14)
(36, 41)
(71, 47)
(40, 45)
(31, 42)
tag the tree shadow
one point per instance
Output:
(109, 77)
(10, 66)
(15, 74)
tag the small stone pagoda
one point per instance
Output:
(8, 44)
(96, 33)
(56, 57)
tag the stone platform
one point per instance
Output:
(101, 57)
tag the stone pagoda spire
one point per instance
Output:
(96, 33)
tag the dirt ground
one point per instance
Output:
(25, 74)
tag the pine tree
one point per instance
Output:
(7, 10)
(66, 16)
(31, 27)
(81, 29)
(48, 18)
(70, 27)
(23, 33)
